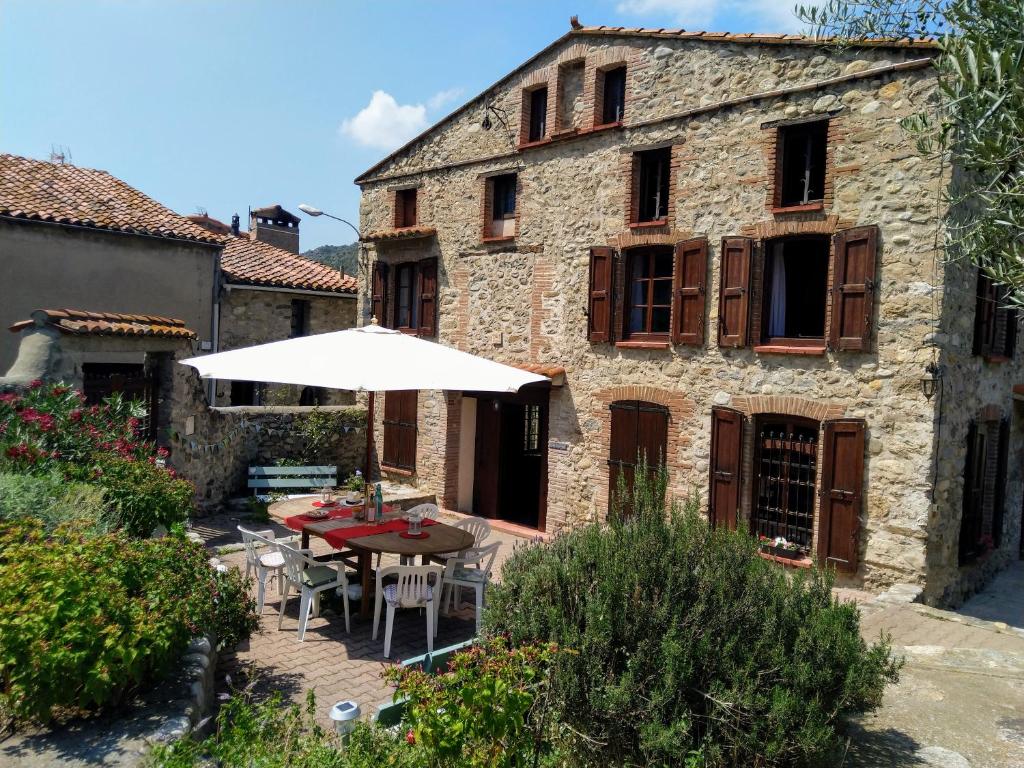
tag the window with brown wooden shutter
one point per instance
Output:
(974, 494)
(842, 489)
(726, 467)
(400, 430)
(995, 321)
(428, 298)
(405, 208)
(853, 288)
(689, 278)
(379, 293)
(734, 291)
(599, 307)
(639, 431)
(999, 492)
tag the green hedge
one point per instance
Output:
(691, 648)
(53, 500)
(85, 619)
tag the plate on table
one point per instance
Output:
(348, 503)
(420, 535)
(317, 514)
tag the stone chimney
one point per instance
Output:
(234, 225)
(276, 226)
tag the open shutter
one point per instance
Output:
(984, 315)
(428, 297)
(842, 488)
(974, 493)
(999, 492)
(689, 279)
(599, 309)
(378, 293)
(853, 288)
(726, 467)
(734, 291)
(400, 414)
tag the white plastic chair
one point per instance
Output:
(416, 588)
(310, 578)
(478, 526)
(266, 565)
(426, 511)
(457, 574)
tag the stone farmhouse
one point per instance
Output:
(726, 254)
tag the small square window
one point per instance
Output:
(538, 114)
(613, 95)
(652, 184)
(300, 318)
(800, 164)
(405, 208)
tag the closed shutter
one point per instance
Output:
(639, 430)
(378, 293)
(984, 315)
(974, 494)
(599, 309)
(842, 486)
(854, 288)
(689, 278)
(734, 291)
(400, 411)
(428, 297)
(999, 492)
(726, 467)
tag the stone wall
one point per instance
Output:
(249, 316)
(214, 447)
(526, 301)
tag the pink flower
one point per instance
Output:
(59, 390)
(410, 737)
(162, 452)
(75, 415)
(9, 397)
(35, 384)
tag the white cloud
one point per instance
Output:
(386, 124)
(757, 15)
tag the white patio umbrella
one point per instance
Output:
(368, 359)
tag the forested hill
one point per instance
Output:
(344, 257)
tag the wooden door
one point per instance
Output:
(487, 462)
(726, 467)
(842, 483)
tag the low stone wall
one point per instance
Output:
(214, 447)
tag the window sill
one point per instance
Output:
(996, 358)
(818, 206)
(531, 144)
(642, 344)
(397, 471)
(801, 562)
(567, 135)
(503, 239)
(647, 224)
(786, 349)
(607, 126)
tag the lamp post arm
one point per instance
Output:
(338, 218)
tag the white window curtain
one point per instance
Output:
(777, 307)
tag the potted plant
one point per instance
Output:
(780, 547)
(354, 485)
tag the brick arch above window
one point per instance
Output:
(788, 405)
(626, 240)
(536, 78)
(676, 402)
(575, 52)
(800, 224)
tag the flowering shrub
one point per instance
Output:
(53, 500)
(86, 619)
(49, 429)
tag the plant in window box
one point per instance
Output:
(780, 547)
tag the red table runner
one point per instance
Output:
(296, 522)
(339, 536)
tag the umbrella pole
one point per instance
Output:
(369, 438)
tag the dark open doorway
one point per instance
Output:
(511, 462)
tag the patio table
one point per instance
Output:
(441, 538)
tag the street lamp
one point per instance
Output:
(309, 210)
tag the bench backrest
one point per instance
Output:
(292, 477)
(390, 713)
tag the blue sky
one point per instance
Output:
(226, 104)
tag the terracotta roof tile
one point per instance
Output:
(66, 194)
(402, 233)
(107, 323)
(756, 37)
(554, 372)
(248, 261)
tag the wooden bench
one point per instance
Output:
(291, 479)
(390, 714)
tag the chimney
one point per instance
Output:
(234, 225)
(275, 226)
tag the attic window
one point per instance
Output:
(651, 186)
(613, 91)
(537, 114)
(405, 208)
(800, 164)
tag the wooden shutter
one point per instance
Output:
(638, 430)
(379, 293)
(842, 487)
(984, 315)
(726, 467)
(602, 278)
(428, 297)
(400, 411)
(734, 291)
(689, 277)
(974, 494)
(999, 492)
(853, 288)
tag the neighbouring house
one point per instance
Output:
(269, 293)
(100, 282)
(726, 254)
